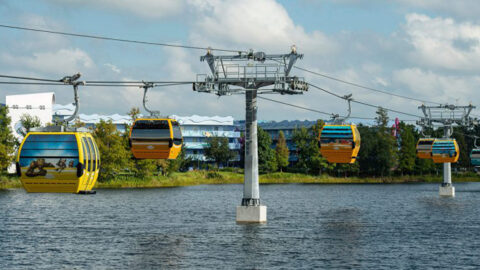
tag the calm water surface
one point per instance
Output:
(309, 226)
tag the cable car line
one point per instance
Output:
(119, 39)
(27, 78)
(363, 103)
(365, 87)
(325, 113)
(93, 84)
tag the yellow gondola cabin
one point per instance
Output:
(152, 138)
(58, 162)
(340, 143)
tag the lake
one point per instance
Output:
(309, 226)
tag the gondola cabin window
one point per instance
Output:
(151, 129)
(49, 156)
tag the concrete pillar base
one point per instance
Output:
(447, 191)
(252, 214)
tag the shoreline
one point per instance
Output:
(215, 178)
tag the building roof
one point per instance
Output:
(204, 120)
(68, 109)
(282, 125)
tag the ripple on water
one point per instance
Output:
(309, 226)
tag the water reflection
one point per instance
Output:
(159, 250)
(341, 229)
(321, 226)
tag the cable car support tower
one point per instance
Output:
(447, 116)
(250, 73)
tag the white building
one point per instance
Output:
(40, 105)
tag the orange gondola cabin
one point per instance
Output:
(339, 143)
(154, 138)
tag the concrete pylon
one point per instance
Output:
(250, 211)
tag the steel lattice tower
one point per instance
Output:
(250, 73)
(446, 116)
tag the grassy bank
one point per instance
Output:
(7, 181)
(205, 178)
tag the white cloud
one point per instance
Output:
(443, 43)
(67, 61)
(257, 24)
(441, 88)
(113, 68)
(458, 8)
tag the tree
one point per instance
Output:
(407, 153)
(78, 123)
(7, 140)
(218, 150)
(266, 155)
(385, 148)
(134, 113)
(281, 151)
(309, 158)
(28, 122)
(113, 149)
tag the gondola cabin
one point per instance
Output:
(424, 148)
(155, 138)
(339, 143)
(58, 162)
(445, 151)
(475, 157)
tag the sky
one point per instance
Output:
(427, 49)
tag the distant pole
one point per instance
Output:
(447, 189)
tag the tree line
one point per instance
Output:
(381, 153)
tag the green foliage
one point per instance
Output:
(28, 122)
(134, 113)
(115, 156)
(385, 149)
(407, 152)
(7, 140)
(281, 151)
(309, 158)
(464, 159)
(378, 149)
(218, 150)
(78, 123)
(180, 163)
(266, 155)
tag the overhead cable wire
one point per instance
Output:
(364, 103)
(295, 106)
(91, 84)
(321, 112)
(117, 39)
(365, 87)
(28, 78)
(31, 83)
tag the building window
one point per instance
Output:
(42, 107)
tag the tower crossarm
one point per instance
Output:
(253, 70)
